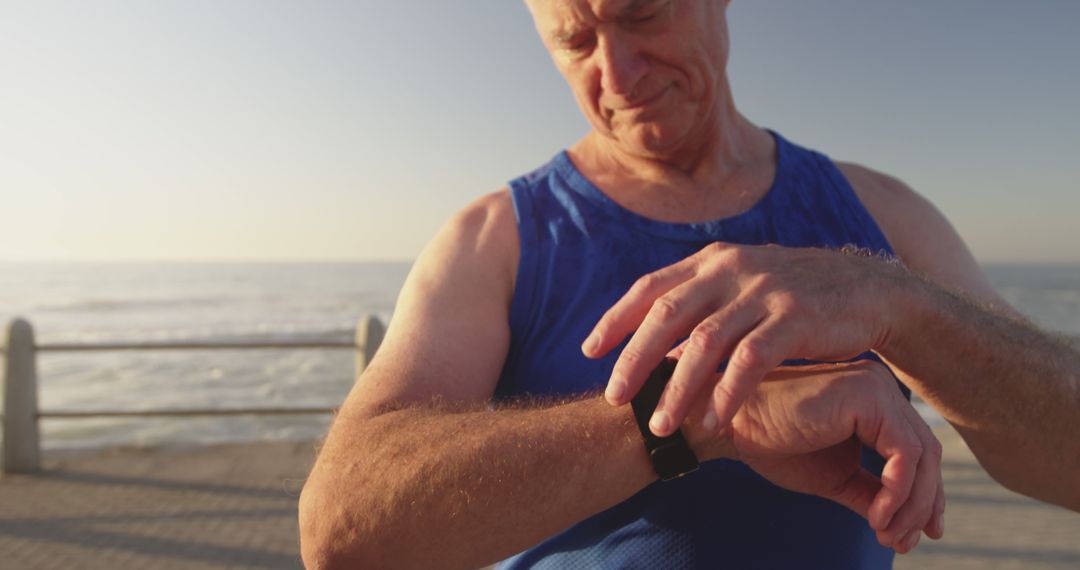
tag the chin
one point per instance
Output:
(651, 140)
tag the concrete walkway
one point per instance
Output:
(988, 527)
(231, 506)
(234, 506)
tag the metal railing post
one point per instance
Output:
(22, 451)
(369, 335)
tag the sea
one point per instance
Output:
(163, 302)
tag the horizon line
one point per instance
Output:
(375, 260)
(194, 260)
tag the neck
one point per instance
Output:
(721, 171)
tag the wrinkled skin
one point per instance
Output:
(803, 430)
(754, 305)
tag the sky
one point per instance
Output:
(351, 130)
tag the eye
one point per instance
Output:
(650, 14)
(579, 45)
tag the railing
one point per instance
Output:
(21, 440)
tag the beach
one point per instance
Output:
(234, 506)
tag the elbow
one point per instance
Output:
(1051, 492)
(318, 547)
(349, 511)
(1048, 484)
(329, 538)
(1045, 491)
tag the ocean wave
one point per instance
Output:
(114, 305)
(339, 330)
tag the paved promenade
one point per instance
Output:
(234, 506)
(988, 527)
(231, 506)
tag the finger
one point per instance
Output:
(917, 512)
(937, 520)
(761, 350)
(710, 343)
(629, 311)
(670, 317)
(883, 428)
(933, 458)
(936, 528)
(912, 515)
(897, 480)
(908, 542)
(858, 492)
(677, 352)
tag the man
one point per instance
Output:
(635, 228)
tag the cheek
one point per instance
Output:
(586, 89)
(706, 77)
(704, 48)
(704, 74)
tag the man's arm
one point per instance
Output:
(425, 487)
(1012, 391)
(415, 472)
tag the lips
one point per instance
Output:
(640, 103)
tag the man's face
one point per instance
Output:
(647, 74)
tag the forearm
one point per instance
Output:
(1012, 391)
(421, 487)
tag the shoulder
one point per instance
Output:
(479, 240)
(895, 207)
(489, 212)
(450, 329)
(920, 234)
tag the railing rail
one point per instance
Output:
(69, 414)
(21, 415)
(192, 345)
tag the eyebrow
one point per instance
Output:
(634, 6)
(566, 36)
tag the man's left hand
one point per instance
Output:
(804, 427)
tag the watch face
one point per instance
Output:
(674, 459)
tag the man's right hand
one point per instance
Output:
(802, 430)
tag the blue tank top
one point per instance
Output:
(580, 252)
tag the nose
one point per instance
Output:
(621, 65)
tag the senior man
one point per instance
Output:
(472, 436)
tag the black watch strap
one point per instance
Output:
(671, 456)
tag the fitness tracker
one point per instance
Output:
(671, 456)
